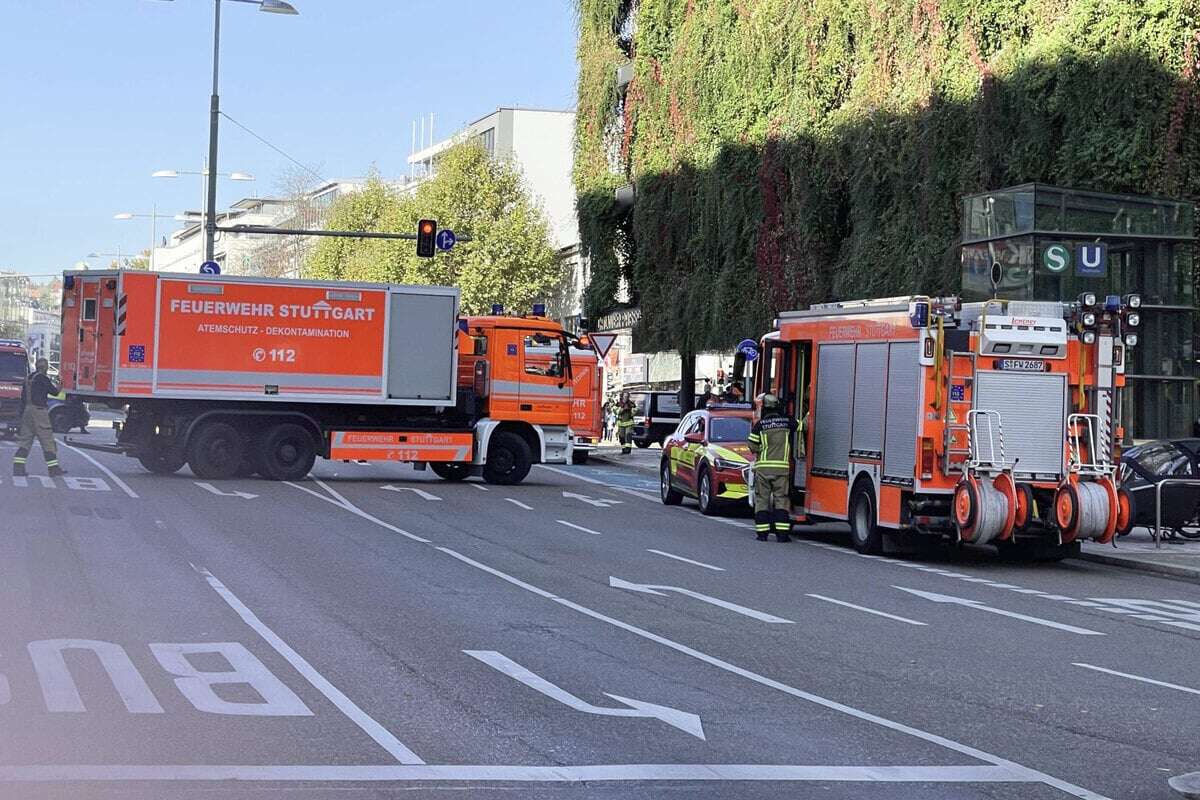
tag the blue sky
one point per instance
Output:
(97, 94)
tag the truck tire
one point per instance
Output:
(286, 452)
(509, 459)
(163, 460)
(216, 451)
(450, 470)
(865, 533)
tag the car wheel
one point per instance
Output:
(642, 443)
(450, 470)
(60, 420)
(864, 530)
(579, 456)
(509, 459)
(704, 493)
(216, 451)
(287, 452)
(669, 496)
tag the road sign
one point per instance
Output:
(210, 268)
(1091, 260)
(446, 239)
(748, 348)
(603, 342)
(1056, 257)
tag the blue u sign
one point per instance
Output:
(1091, 260)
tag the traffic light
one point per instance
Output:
(426, 238)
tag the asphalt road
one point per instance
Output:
(379, 632)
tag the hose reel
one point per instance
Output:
(985, 511)
(1087, 510)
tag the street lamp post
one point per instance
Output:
(154, 217)
(208, 175)
(210, 202)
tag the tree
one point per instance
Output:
(509, 260)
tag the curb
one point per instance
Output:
(1169, 570)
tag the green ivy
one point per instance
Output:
(792, 151)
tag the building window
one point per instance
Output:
(488, 140)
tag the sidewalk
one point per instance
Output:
(1178, 558)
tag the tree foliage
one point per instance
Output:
(509, 260)
(792, 151)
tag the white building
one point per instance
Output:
(541, 145)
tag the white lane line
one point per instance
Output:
(124, 486)
(332, 492)
(578, 527)
(479, 486)
(686, 560)
(967, 603)
(456, 773)
(659, 591)
(334, 695)
(645, 494)
(519, 504)
(317, 495)
(353, 509)
(866, 716)
(867, 610)
(1176, 686)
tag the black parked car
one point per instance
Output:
(1142, 467)
(655, 416)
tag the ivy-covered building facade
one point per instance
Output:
(735, 158)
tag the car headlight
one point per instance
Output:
(724, 463)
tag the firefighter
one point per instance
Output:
(625, 425)
(35, 422)
(771, 442)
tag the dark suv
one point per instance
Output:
(655, 416)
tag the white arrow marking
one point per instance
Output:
(418, 492)
(683, 720)
(962, 601)
(208, 487)
(761, 616)
(600, 503)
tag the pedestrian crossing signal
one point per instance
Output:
(426, 238)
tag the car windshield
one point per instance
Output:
(1163, 460)
(729, 429)
(13, 367)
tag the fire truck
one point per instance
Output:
(587, 394)
(235, 375)
(14, 369)
(994, 422)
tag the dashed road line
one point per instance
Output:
(686, 560)
(578, 527)
(1132, 677)
(867, 610)
(519, 504)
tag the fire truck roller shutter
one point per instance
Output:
(903, 409)
(870, 362)
(1032, 408)
(421, 346)
(831, 422)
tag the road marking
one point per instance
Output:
(645, 494)
(683, 720)
(686, 560)
(598, 503)
(867, 610)
(479, 486)
(346, 505)
(1027, 773)
(463, 773)
(197, 685)
(578, 527)
(421, 493)
(208, 487)
(1139, 678)
(761, 616)
(58, 687)
(334, 695)
(123, 486)
(519, 504)
(962, 601)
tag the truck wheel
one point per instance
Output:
(216, 451)
(509, 459)
(450, 470)
(864, 532)
(163, 460)
(579, 457)
(287, 452)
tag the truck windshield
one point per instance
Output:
(729, 429)
(13, 367)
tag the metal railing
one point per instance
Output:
(1090, 424)
(1158, 504)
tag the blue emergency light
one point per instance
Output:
(539, 309)
(497, 309)
(1112, 302)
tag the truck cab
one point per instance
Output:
(14, 369)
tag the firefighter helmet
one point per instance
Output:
(768, 400)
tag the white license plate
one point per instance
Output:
(1022, 364)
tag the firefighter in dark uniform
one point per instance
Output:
(625, 425)
(35, 422)
(771, 442)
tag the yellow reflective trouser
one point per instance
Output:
(772, 502)
(624, 431)
(35, 424)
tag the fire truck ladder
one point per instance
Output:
(1085, 429)
(956, 444)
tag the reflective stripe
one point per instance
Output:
(19, 460)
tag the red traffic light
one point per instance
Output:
(426, 238)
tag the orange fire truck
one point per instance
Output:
(994, 422)
(587, 395)
(235, 376)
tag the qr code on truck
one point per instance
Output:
(137, 354)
